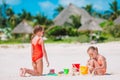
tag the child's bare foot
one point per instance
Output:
(22, 72)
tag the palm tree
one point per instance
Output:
(11, 17)
(89, 9)
(3, 16)
(42, 20)
(92, 12)
(58, 10)
(76, 21)
(115, 12)
(9, 12)
(25, 15)
(7, 16)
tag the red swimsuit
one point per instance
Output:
(37, 51)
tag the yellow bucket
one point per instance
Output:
(83, 70)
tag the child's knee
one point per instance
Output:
(39, 74)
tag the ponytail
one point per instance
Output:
(33, 35)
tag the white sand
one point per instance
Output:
(60, 56)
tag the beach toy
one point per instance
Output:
(66, 71)
(52, 73)
(76, 67)
(60, 73)
(83, 70)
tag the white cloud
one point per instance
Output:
(11, 2)
(100, 5)
(46, 4)
(97, 4)
(79, 3)
(47, 7)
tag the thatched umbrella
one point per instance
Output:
(98, 20)
(90, 25)
(117, 21)
(64, 16)
(23, 28)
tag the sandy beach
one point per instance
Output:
(13, 57)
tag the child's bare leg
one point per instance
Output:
(39, 67)
(33, 72)
(91, 65)
(22, 72)
(99, 71)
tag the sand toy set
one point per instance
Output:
(74, 71)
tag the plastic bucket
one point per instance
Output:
(83, 70)
(66, 71)
(76, 67)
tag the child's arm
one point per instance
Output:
(31, 50)
(103, 62)
(90, 64)
(44, 52)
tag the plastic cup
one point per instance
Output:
(76, 67)
(52, 71)
(66, 71)
(84, 70)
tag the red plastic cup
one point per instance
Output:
(76, 67)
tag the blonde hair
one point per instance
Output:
(37, 28)
(93, 48)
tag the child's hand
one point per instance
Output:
(47, 64)
(93, 72)
(91, 68)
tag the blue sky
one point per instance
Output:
(47, 7)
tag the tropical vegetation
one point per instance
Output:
(66, 33)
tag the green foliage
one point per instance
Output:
(42, 20)
(72, 31)
(62, 31)
(115, 31)
(7, 31)
(67, 33)
(89, 9)
(106, 23)
(75, 21)
(58, 10)
(57, 31)
(115, 11)
(110, 33)
(15, 41)
(104, 36)
(81, 39)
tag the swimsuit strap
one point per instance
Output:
(36, 42)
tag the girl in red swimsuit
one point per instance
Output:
(38, 51)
